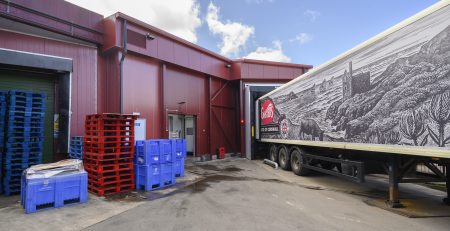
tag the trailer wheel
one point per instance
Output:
(283, 158)
(273, 153)
(296, 160)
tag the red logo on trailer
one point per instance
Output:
(267, 111)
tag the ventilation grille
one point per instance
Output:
(136, 39)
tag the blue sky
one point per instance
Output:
(298, 31)
(337, 27)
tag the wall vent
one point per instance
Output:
(136, 39)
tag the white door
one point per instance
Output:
(190, 134)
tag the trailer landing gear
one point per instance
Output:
(447, 184)
(393, 201)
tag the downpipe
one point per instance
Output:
(271, 163)
(122, 58)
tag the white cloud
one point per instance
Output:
(258, 1)
(234, 35)
(270, 54)
(180, 18)
(302, 38)
(312, 15)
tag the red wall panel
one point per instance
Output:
(224, 122)
(84, 76)
(141, 92)
(181, 85)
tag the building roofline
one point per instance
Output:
(171, 36)
(201, 49)
(273, 63)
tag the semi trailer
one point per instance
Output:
(383, 106)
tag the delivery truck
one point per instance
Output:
(383, 106)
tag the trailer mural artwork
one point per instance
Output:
(394, 91)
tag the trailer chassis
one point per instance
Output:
(397, 167)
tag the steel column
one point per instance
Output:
(393, 201)
(211, 150)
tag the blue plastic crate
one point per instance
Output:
(167, 150)
(180, 148)
(179, 167)
(156, 176)
(147, 152)
(54, 192)
(167, 174)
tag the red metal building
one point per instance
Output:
(120, 64)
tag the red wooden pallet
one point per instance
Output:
(106, 116)
(92, 156)
(111, 180)
(96, 174)
(117, 144)
(110, 191)
(109, 167)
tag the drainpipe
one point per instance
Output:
(124, 53)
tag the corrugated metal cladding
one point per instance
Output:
(161, 76)
(84, 76)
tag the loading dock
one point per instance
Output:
(49, 75)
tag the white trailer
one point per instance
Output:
(382, 106)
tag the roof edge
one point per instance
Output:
(201, 49)
(171, 36)
(265, 62)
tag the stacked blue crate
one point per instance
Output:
(180, 156)
(154, 164)
(76, 147)
(2, 129)
(53, 192)
(24, 136)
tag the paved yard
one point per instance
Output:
(237, 194)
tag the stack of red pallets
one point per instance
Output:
(108, 153)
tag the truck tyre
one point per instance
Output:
(296, 160)
(273, 153)
(284, 158)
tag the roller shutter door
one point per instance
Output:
(35, 82)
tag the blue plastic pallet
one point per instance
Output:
(26, 94)
(26, 109)
(76, 138)
(26, 114)
(18, 139)
(54, 192)
(179, 167)
(24, 144)
(15, 159)
(76, 149)
(76, 156)
(11, 190)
